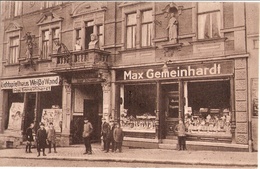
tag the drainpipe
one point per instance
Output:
(249, 109)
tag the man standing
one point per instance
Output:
(51, 137)
(41, 138)
(104, 131)
(118, 137)
(180, 129)
(109, 137)
(29, 138)
(87, 130)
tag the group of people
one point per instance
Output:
(43, 138)
(111, 133)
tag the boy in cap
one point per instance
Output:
(51, 137)
(29, 138)
(41, 138)
(180, 129)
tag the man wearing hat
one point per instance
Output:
(87, 130)
(41, 138)
(104, 132)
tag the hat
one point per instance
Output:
(85, 118)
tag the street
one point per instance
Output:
(7, 162)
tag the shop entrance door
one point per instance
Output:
(91, 112)
(171, 108)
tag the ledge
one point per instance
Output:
(203, 41)
(172, 45)
(138, 49)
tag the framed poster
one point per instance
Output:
(15, 116)
(54, 116)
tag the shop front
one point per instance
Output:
(202, 94)
(30, 100)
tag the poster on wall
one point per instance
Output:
(254, 96)
(15, 116)
(54, 116)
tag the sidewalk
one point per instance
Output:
(159, 156)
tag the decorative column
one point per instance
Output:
(66, 113)
(114, 94)
(158, 125)
(106, 88)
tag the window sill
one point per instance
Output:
(203, 41)
(11, 64)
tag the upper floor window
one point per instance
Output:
(45, 43)
(89, 29)
(55, 38)
(49, 4)
(146, 28)
(209, 20)
(14, 50)
(131, 30)
(17, 8)
(100, 35)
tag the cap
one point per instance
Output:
(85, 118)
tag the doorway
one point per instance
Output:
(171, 108)
(91, 112)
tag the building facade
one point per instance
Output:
(144, 65)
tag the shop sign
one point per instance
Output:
(31, 89)
(31, 84)
(178, 71)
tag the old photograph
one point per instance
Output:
(129, 84)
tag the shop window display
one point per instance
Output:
(139, 108)
(208, 110)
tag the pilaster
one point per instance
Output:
(66, 112)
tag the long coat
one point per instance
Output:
(105, 130)
(118, 134)
(51, 135)
(87, 130)
(41, 136)
(29, 133)
(180, 129)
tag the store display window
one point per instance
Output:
(208, 108)
(138, 110)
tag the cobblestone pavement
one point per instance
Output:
(75, 152)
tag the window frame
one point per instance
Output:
(133, 29)
(44, 41)
(146, 23)
(218, 12)
(11, 58)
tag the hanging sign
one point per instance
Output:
(31, 84)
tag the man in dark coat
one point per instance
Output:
(109, 137)
(29, 138)
(104, 131)
(118, 137)
(41, 138)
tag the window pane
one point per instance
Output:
(89, 23)
(144, 35)
(208, 6)
(129, 37)
(131, 19)
(147, 16)
(216, 25)
(134, 36)
(78, 33)
(17, 8)
(55, 33)
(45, 35)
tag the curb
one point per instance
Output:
(131, 160)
